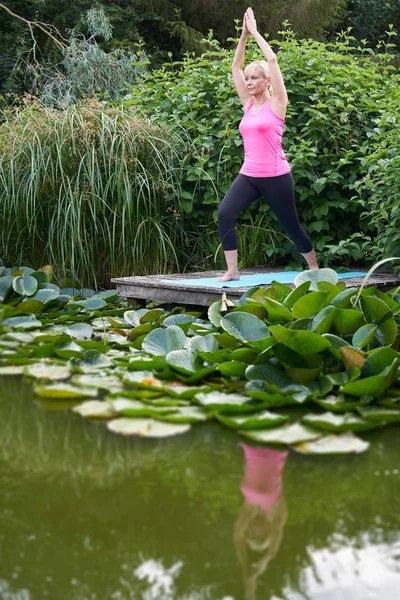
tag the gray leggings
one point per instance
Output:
(278, 192)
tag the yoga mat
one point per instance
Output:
(251, 280)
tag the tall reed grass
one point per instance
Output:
(93, 190)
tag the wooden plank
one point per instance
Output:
(152, 287)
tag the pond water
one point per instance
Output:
(88, 515)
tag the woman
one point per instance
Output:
(265, 171)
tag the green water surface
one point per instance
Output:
(88, 515)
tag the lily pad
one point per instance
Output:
(161, 341)
(12, 370)
(186, 414)
(381, 415)
(345, 443)
(23, 322)
(315, 276)
(286, 435)
(244, 326)
(303, 342)
(80, 331)
(203, 343)
(26, 285)
(95, 409)
(64, 390)
(46, 371)
(147, 427)
(226, 402)
(260, 420)
(338, 423)
(137, 408)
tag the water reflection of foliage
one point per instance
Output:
(46, 444)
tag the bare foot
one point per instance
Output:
(230, 276)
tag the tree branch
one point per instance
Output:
(42, 26)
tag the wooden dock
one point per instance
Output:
(157, 289)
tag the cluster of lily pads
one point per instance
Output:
(307, 367)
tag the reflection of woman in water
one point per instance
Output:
(259, 527)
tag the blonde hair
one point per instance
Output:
(262, 65)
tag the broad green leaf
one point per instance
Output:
(297, 293)
(302, 375)
(147, 427)
(64, 347)
(289, 357)
(303, 342)
(274, 377)
(31, 306)
(280, 291)
(162, 341)
(364, 335)
(309, 305)
(345, 443)
(214, 313)
(22, 322)
(343, 300)
(378, 360)
(277, 313)
(186, 361)
(178, 320)
(92, 361)
(256, 309)
(203, 343)
(45, 296)
(26, 286)
(322, 322)
(375, 310)
(232, 368)
(246, 355)
(5, 284)
(244, 326)
(387, 332)
(338, 422)
(347, 320)
(373, 386)
(80, 331)
(286, 435)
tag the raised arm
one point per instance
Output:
(237, 67)
(279, 98)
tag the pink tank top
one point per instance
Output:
(262, 137)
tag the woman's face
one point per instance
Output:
(256, 82)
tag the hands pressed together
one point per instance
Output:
(249, 22)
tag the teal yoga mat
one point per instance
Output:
(251, 280)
